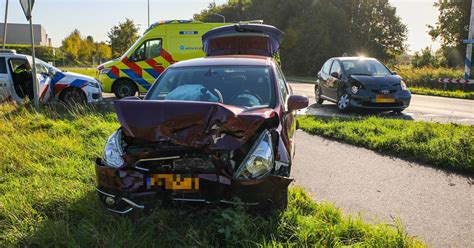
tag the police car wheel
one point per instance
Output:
(73, 96)
(124, 88)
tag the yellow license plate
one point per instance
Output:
(173, 182)
(384, 99)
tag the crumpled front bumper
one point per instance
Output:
(367, 100)
(93, 94)
(124, 190)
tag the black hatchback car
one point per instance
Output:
(359, 82)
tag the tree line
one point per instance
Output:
(315, 30)
(77, 50)
(318, 30)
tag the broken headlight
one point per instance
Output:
(113, 151)
(259, 161)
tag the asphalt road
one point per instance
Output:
(435, 206)
(422, 108)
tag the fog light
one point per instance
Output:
(109, 201)
(355, 89)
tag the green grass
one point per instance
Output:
(85, 71)
(448, 146)
(47, 198)
(444, 93)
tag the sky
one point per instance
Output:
(97, 17)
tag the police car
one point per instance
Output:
(16, 82)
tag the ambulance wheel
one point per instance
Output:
(72, 96)
(124, 88)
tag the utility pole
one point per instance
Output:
(5, 26)
(469, 41)
(148, 13)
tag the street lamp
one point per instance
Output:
(148, 13)
(219, 15)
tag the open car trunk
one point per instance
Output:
(242, 39)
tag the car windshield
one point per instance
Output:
(241, 86)
(365, 67)
(48, 66)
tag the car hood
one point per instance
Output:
(378, 81)
(212, 126)
(71, 76)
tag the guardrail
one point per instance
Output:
(458, 82)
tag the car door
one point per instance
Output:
(147, 63)
(44, 81)
(323, 77)
(288, 118)
(333, 80)
(5, 82)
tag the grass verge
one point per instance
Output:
(444, 93)
(47, 198)
(448, 146)
(85, 71)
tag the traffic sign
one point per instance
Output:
(27, 6)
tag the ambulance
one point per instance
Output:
(163, 44)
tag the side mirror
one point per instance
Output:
(296, 102)
(394, 73)
(335, 75)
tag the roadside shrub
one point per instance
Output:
(427, 77)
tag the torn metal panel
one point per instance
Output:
(192, 124)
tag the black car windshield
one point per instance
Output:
(241, 86)
(365, 67)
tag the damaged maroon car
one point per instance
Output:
(214, 130)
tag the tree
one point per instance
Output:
(452, 28)
(318, 30)
(103, 51)
(426, 58)
(72, 44)
(123, 36)
(84, 51)
(375, 28)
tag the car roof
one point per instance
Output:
(353, 58)
(235, 60)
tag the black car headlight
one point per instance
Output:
(113, 151)
(259, 161)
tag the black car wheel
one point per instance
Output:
(317, 94)
(124, 88)
(344, 102)
(73, 96)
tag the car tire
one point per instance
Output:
(344, 102)
(73, 96)
(317, 94)
(124, 88)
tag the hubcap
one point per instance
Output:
(125, 91)
(343, 101)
